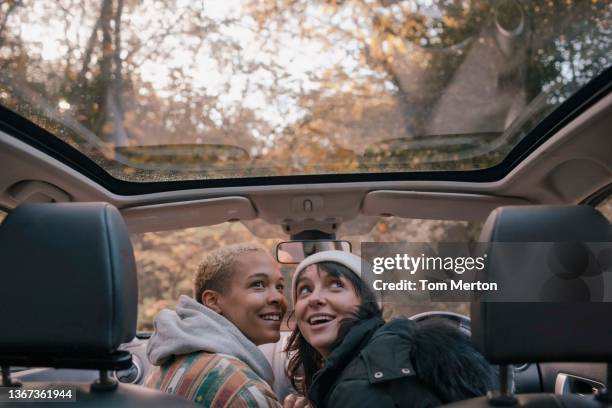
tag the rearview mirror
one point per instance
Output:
(293, 252)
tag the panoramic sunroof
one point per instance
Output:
(157, 91)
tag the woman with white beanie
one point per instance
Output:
(343, 354)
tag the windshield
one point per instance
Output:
(192, 90)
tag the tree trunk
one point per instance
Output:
(120, 136)
(105, 79)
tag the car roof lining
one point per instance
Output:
(569, 167)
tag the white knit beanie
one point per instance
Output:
(352, 262)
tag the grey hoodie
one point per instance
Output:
(195, 327)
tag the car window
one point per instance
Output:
(605, 207)
(166, 261)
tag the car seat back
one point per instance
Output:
(69, 298)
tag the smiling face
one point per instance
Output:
(322, 302)
(254, 301)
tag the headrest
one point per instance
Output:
(572, 325)
(68, 280)
(546, 224)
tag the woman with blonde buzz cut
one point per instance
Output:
(206, 349)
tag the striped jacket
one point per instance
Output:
(212, 380)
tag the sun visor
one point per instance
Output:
(172, 216)
(435, 206)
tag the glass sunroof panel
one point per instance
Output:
(188, 90)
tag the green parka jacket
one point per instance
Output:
(401, 364)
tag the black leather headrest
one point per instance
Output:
(546, 224)
(68, 280)
(568, 328)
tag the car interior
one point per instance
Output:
(98, 235)
(570, 168)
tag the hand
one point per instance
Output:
(295, 401)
